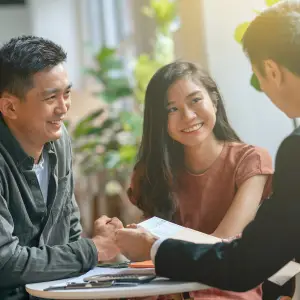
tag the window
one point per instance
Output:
(108, 23)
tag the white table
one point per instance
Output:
(149, 289)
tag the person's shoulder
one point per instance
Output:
(241, 150)
(134, 190)
(3, 154)
(292, 141)
(289, 149)
(296, 132)
(3, 171)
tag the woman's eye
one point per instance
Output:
(195, 100)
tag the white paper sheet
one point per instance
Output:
(290, 270)
(164, 229)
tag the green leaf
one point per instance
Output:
(128, 153)
(90, 129)
(108, 96)
(89, 146)
(86, 131)
(111, 64)
(93, 115)
(240, 31)
(67, 124)
(85, 123)
(132, 122)
(164, 11)
(271, 2)
(255, 83)
(113, 145)
(148, 11)
(105, 53)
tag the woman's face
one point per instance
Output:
(191, 113)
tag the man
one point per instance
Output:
(39, 218)
(272, 43)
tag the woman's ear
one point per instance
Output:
(8, 106)
(215, 101)
(215, 104)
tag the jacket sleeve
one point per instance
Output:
(75, 225)
(20, 265)
(267, 243)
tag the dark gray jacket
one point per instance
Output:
(39, 241)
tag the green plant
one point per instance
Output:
(238, 35)
(100, 139)
(164, 12)
(108, 138)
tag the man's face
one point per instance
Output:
(281, 86)
(40, 115)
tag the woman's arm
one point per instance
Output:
(243, 208)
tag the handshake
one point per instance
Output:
(111, 238)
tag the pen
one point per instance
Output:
(114, 265)
(90, 285)
(81, 285)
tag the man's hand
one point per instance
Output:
(104, 237)
(135, 244)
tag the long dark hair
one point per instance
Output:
(160, 157)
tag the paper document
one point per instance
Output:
(286, 273)
(164, 229)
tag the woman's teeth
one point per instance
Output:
(193, 128)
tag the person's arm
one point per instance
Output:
(75, 225)
(267, 243)
(20, 265)
(243, 208)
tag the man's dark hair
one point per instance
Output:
(275, 34)
(22, 57)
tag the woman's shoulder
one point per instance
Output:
(240, 151)
(133, 191)
(249, 160)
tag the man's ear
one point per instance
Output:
(9, 105)
(273, 72)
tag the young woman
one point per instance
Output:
(192, 167)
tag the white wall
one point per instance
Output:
(58, 21)
(251, 113)
(14, 21)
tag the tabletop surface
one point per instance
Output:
(160, 287)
